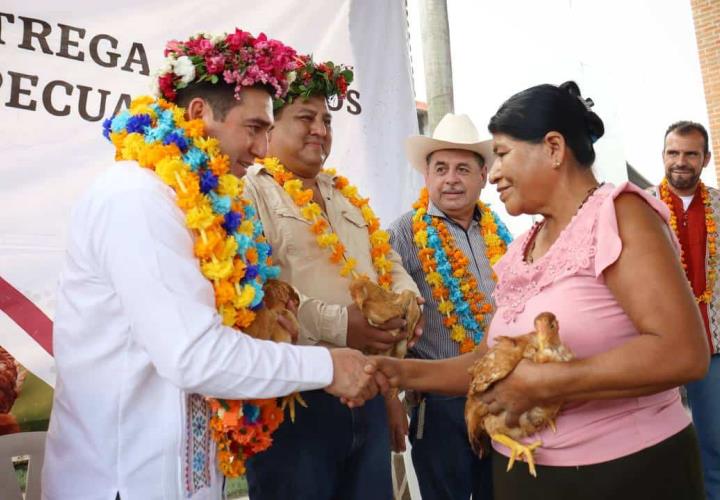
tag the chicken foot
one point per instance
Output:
(289, 403)
(518, 450)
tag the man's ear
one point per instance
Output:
(484, 171)
(198, 108)
(707, 158)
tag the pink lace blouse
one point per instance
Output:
(568, 281)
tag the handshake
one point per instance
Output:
(358, 378)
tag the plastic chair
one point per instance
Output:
(30, 444)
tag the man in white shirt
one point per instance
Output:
(137, 333)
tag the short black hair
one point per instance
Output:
(220, 96)
(685, 127)
(529, 115)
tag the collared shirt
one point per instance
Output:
(692, 235)
(136, 333)
(436, 342)
(306, 266)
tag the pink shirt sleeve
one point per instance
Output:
(609, 244)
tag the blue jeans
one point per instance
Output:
(330, 452)
(445, 465)
(704, 399)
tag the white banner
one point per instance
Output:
(64, 69)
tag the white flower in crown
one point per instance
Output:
(215, 39)
(167, 65)
(155, 86)
(185, 69)
(291, 76)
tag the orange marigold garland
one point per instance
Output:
(711, 229)
(454, 287)
(379, 239)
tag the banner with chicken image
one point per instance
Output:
(65, 68)
(25, 399)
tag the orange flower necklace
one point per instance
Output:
(456, 289)
(379, 239)
(706, 296)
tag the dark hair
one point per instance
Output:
(529, 115)
(685, 127)
(220, 96)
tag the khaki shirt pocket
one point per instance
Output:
(354, 234)
(294, 233)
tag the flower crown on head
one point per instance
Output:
(326, 79)
(237, 58)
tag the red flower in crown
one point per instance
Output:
(237, 58)
(324, 79)
(238, 39)
(215, 64)
(165, 83)
(342, 85)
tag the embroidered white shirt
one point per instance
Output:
(136, 333)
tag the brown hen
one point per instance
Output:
(540, 346)
(379, 306)
(265, 326)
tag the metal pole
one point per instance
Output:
(435, 33)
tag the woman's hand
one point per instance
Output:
(518, 392)
(392, 369)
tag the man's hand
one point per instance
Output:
(363, 336)
(420, 324)
(354, 377)
(397, 422)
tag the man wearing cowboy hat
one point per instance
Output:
(454, 164)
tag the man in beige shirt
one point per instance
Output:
(330, 451)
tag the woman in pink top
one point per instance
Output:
(603, 261)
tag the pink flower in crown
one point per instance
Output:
(276, 85)
(175, 46)
(282, 61)
(265, 64)
(199, 46)
(253, 74)
(215, 64)
(231, 76)
(238, 39)
(245, 55)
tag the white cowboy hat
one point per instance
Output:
(453, 132)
